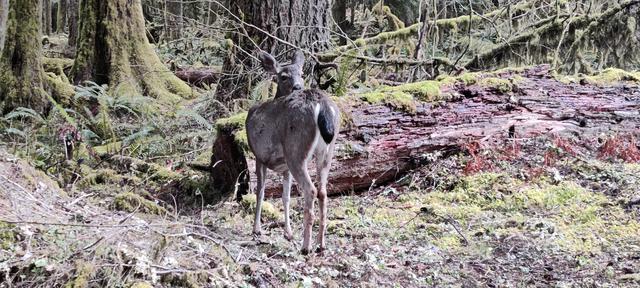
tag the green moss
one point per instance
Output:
(500, 85)
(613, 75)
(402, 96)
(109, 148)
(61, 90)
(56, 65)
(447, 242)
(233, 121)
(268, 210)
(141, 285)
(7, 235)
(84, 272)
(397, 99)
(130, 202)
(236, 122)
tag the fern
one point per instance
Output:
(26, 113)
(195, 116)
(144, 132)
(15, 131)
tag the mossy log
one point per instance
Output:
(381, 140)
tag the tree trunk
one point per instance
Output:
(46, 17)
(113, 49)
(63, 8)
(173, 22)
(4, 15)
(21, 73)
(54, 16)
(302, 23)
(72, 23)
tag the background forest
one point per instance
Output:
(483, 143)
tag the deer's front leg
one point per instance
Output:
(261, 173)
(286, 196)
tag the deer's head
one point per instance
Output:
(289, 76)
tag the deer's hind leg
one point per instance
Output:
(286, 196)
(299, 171)
(323, 162)
(261, 173)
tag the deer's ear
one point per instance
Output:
(269, 63)
(298, 58)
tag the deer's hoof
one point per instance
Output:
(320, 250)
(304, 251)
(257, 232)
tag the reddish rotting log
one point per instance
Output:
(383, 143)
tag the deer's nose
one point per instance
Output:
(297, 87)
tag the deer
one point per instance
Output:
(284, 133)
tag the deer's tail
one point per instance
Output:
(326, 121)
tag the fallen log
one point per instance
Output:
(380, 143)
(198, 76)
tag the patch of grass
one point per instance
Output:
(130, 202)
(248, 202)
(7, 235)
(84, 272)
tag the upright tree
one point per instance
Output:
(45, 11)
(113, 49)
(21, 75)
(173, 22)
(63, 8)
(301, 23)
(72, 23)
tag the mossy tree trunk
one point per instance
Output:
(72, 23)
(61, 21)
(46, 17)
(21, 74)
(113, 49)
(4, 15)
(302, 23)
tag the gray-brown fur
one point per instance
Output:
(284, 134)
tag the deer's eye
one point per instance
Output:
(284, 76)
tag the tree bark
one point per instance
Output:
(301, 23)
(4, 15)
(46, 17)
(21, 74)
(381, 144)
(63, 8)
(173, 22)
(113, 49)
(72, 23)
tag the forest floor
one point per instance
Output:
(552, 209)
(573, 223)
